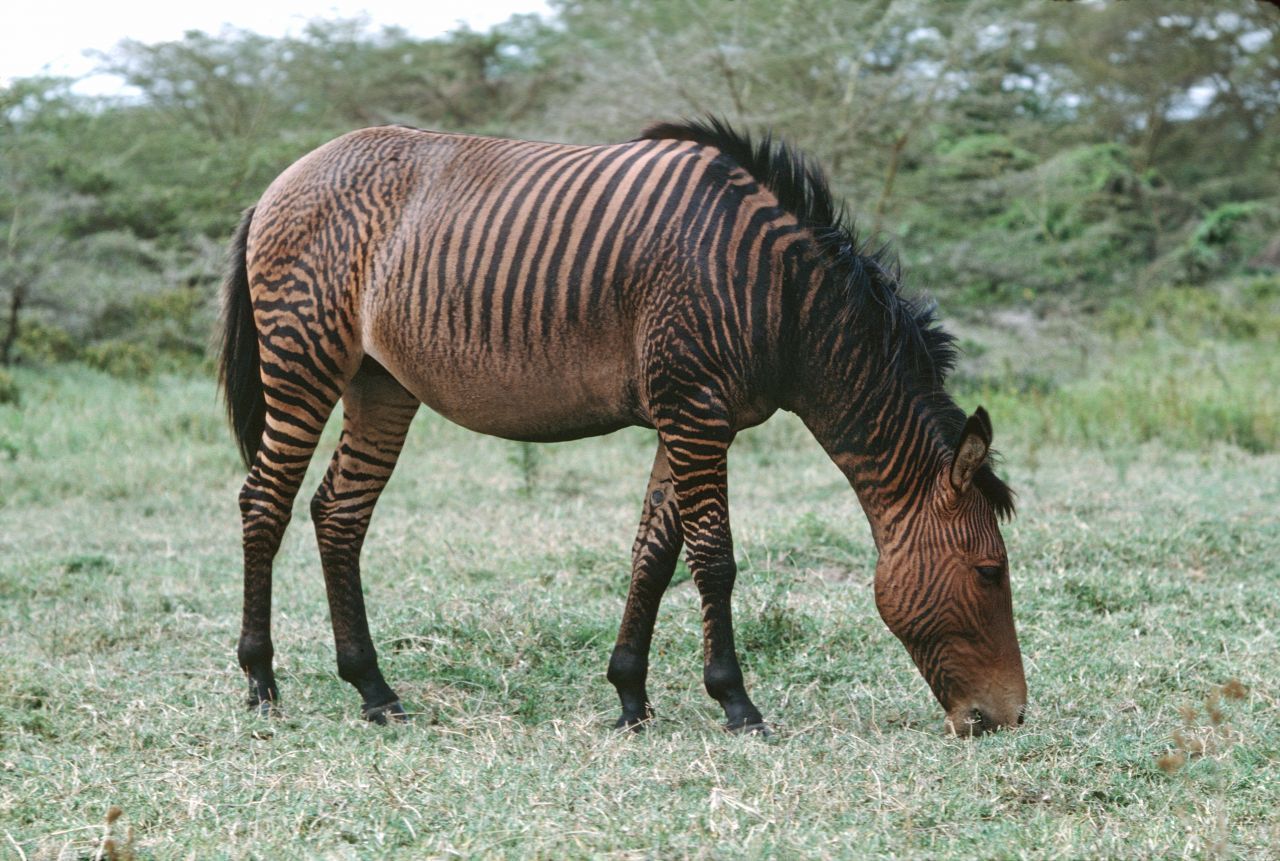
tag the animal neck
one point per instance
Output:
(889, 454)
(875, 423)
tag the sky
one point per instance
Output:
(51, 37)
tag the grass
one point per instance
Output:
(1145, 582)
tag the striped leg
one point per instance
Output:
(653, 561)
(698, 457)
(296, 414)
(377, 412)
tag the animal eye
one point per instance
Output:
(990, 573)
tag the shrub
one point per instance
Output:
(172, 326)
(121, 359)
(982, 156)
(40, 343)
(8, 388)
(1082, 218)
(1225, 238)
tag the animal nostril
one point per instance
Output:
(1022, 715)
(977, 717)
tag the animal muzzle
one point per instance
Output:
(980, 718)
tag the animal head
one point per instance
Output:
(942, 586)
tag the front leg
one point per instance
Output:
(698, 462)
(653, 561)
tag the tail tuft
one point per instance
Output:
(239, 374)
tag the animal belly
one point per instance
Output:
(529, 399)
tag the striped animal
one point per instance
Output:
(689, 281)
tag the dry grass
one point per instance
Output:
(495, 611)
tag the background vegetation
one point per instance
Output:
(1113, 165)
(1091, 191)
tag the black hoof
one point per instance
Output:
(759, 729)
(633, 723)
(265, 709)
(391, 712)
(263, 699)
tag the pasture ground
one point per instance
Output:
(1145, 580)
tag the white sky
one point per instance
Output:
(51, 36)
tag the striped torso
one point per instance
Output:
(518, 287)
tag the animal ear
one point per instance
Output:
(971, 450)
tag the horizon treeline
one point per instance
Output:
(1049, 155)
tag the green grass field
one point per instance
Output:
(1145, 580)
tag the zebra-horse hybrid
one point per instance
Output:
(691, 281)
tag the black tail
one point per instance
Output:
(238, 371)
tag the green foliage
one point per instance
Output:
(1023, 153)
(1084, 186)
(1226, 238)
(122, 359)
(1017, 167)
(9, 393)
(1187, 405)
(1222, 225)
(1072, 224)
(41, 343)
(982, 156)
(171, 326)
(132, 337)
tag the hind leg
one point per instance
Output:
(377, 413)
(298, 404)
(653, 561)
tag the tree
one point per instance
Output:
(36, 206)
(1192, 86)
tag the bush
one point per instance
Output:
(121, 359)
(44, 344)
(1086, 188)
(982, 156)
(166, 330)
(8, 388)
(995, 233)
(1225, 238)
(172, 326)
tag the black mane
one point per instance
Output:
(870, 278)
